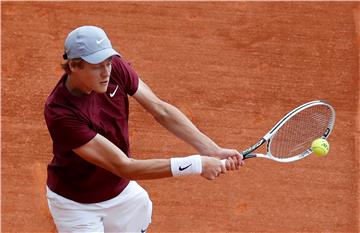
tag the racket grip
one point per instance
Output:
(249, 156)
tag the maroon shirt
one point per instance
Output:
(75, 120)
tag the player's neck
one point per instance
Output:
(75, 87)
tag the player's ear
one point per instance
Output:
(71, 66)
(76, 63)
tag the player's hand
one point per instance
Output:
(233, 157)
(211, 167)
(232, 163)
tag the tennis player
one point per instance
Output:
(91, 179)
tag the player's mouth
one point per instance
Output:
(104, 83)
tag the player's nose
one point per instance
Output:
(105, 73)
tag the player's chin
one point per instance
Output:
(101, 88)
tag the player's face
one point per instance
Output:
(95, 77)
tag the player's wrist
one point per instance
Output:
(190, 165)
(212, 151)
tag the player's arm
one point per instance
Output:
(103, 153)
(173, 119)
(176, 122)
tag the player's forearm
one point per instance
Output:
(177, 123)
(146, 169)
(105, 154)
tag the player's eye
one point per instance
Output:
(97, 67)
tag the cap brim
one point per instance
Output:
(100, 56)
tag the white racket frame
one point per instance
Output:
(288, 116)
(267, 138)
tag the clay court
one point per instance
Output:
(234, 68)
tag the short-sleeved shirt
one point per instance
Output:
(75, 120)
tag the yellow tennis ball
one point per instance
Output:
(320, 147)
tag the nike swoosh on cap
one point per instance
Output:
(100, 41)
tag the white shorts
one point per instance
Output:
(130, 211)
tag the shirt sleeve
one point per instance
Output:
(123, 73)
(69, 132)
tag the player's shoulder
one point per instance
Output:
(117, 60)
(55, 93)
(120, 63)
(122, 72)
(58, 101)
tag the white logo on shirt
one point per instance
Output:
(112, 94)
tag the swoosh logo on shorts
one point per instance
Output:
(112, 94)
(183, 168)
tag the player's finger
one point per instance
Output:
(239, 156)
(232, 163)
(226, 164)
(242, 161)
(236, 162)
(223, 168)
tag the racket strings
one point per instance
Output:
(296, 135)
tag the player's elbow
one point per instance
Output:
(124, 170)
(163, 112)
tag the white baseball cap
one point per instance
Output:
(89, 43)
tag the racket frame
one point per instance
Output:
(267, 138)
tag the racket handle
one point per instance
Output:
(249, 156)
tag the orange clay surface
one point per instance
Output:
(234, 69)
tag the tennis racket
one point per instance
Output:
(290, 139)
